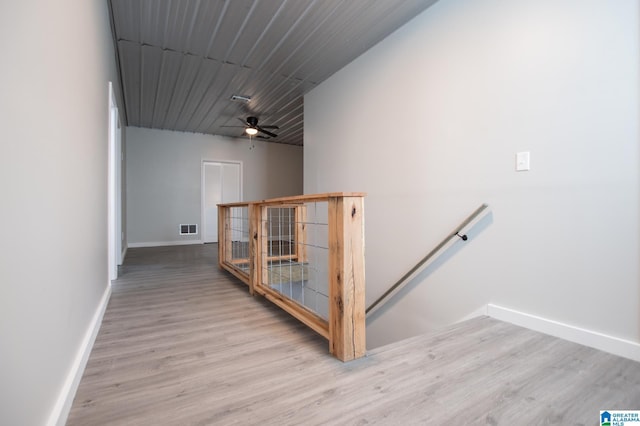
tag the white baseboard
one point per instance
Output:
(593, 339)
(164, 243)
(60, 412)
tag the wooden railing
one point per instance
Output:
(306, 255)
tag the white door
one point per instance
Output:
(221, 183)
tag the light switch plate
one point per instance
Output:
(522, 161)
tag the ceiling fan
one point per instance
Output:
(252, 127)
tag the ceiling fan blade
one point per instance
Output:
(266, 132)
(252, 122)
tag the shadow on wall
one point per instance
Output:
(443, 258)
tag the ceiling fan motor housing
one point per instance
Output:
(252, 123)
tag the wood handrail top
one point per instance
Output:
(297, 198)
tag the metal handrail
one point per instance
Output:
(458, 232)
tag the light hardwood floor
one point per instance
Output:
(183, 343)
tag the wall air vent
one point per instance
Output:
(188, 229)
(241, 98)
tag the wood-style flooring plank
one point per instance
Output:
(183, 343)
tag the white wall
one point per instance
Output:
(428, 122)
(164, 178)
(57, 61)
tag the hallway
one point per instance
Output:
(183, 343)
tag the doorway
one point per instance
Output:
(221, 183)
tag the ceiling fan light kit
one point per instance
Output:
(252, 127)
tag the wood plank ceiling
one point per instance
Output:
(182, 60)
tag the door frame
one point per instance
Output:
(203, 226)
(114, 202)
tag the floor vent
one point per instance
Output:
(188, 229)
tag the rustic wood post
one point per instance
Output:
(255, 241)
(301, 232)
(258, 273)
(224, 234)
(346, 277)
